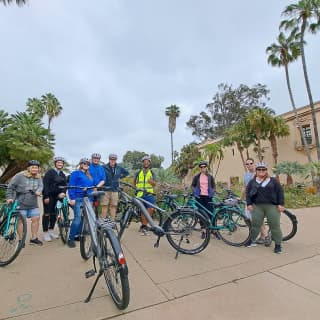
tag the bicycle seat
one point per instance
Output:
(171, 196)
(97, 193)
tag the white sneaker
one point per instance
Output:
(46, 237)
(53, 235)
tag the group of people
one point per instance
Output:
(264, 197)
(28, 185)
(263, 193)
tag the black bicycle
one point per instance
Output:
(186, 229)
(106, 248)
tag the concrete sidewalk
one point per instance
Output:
(223, 282)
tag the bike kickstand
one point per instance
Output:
(93, 287)
(156, 245)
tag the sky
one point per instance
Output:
(115, 65)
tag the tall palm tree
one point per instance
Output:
(306, 16)
(285, 51)
(213, 152)
(52, 107)
(173, 112)
(18, 2)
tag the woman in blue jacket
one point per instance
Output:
(81, 178)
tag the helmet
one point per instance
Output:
(84, 160)
(55, 159)
(261, 165)
(146, 157)
(203, 163)
(96, 155)
(113, 156)
(33, 163)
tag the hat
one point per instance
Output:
(261, 165)
(113, 156)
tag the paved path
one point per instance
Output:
(221, 283)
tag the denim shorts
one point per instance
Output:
(30, 213)
(150, 199)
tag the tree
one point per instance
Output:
(187, 159)
(132, 160)
(305, 15)
(285, 51)
(49, 105)
(18, 2)
(213, 152)
(173, 112)
(23, 138)
(229, 106)
(289, 169)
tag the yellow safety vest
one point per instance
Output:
(142, 182)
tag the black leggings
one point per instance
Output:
(48, 221)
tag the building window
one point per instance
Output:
(306, 131)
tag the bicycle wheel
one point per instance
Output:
(288, 225)
(232, 226)
(187, 231)
(10, 244)
(85, 241)
(115, 275)
(63, 223)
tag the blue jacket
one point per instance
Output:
(78, 178)
(97, 173)
(113, 176)
(196, 185)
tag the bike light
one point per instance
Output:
(121, 259)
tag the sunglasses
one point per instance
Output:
(261, 169)
(203, 167)
(86, 163)
(249, 164)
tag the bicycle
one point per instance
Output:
(227, 222)
(106, 248)
(181, 227)
(288, 220)
(10, 243)
(63, 218)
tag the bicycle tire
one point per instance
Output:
(158, 215)
(11, 244)
(288, 225)
(63, 224)
(85, 241)
(116, 277)
(232, 226)
(187, 231)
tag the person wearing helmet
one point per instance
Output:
(26, 186)
(265, 198)
(114, 173)
(96, 170)
(53, 179)
(80, 178)
(145, 179)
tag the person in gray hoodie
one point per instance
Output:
(25, 187)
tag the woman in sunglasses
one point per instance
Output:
(265, 198)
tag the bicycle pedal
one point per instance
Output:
(89, 273)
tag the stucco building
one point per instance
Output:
(289, 148)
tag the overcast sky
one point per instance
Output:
(115, 65)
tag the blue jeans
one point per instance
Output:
(76, 223)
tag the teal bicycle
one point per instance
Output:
(227, 221)
(63, 218)
(11, 242)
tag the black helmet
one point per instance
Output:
(96, 155)
(203, 163)
(33, 163)
(84, 160)
(146, 157)
(55, 159)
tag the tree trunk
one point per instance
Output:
(9, 172)
(289, 180)
(171, 134)
(306, 78)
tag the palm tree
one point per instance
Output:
(213, 152)
(173, 112)
(258, 121)
(289, 169)
(306, 16)
(279, 128)
(18, 2)
(24, 138)
(285, 51)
